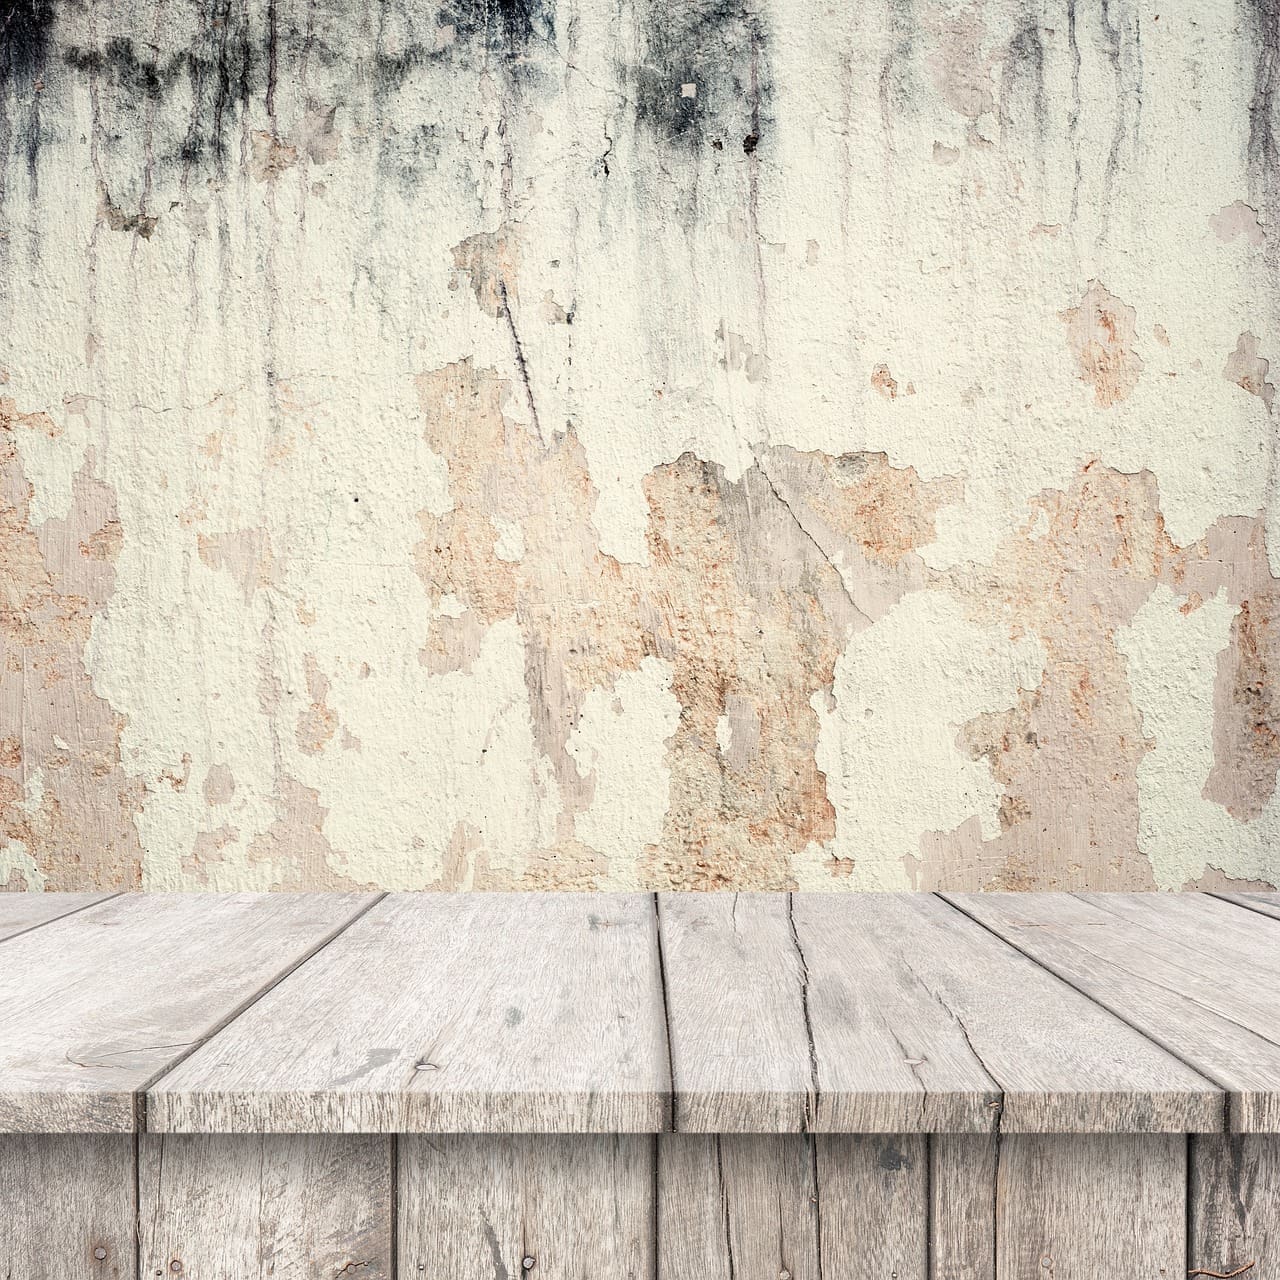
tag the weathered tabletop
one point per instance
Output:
(716, 1013)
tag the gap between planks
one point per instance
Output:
(1062, 977)
(660, 950)
(144, 1089)
(94, 901)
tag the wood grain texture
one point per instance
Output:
(466, 1012)
(1079, 1206)
(693, 1208)
(503, 1206)
(738, 1206)
(735, 1011)
(1267, 904)
(797, 1206)
(287, 1206)
(922, 1022)
(963, 1172)
(22, 911)
(873, 1194)
(1234, 1203)
(1196, 974)
(95, 1005)
(67, 1208)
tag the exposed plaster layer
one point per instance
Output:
(683, 445)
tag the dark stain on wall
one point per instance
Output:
(1264, 151)
(503, 26)
(25, 30)
(227, 59)
(508, 30)
(119, 64)
(221, 64)
(719, 48)
(1022, 95)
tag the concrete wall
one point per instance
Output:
(652, 443)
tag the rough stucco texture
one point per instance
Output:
(715, 443)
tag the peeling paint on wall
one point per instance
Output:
(549, 444)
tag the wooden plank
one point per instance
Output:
(303, 1205)
(739, 1047)
(873, 1203)
(963, 1174)
(1267, 904)
(693, 1208)
(465, 1012)
(1234, 1204)
(94, 1005)
(67, 1206)
(1198, 975)
(901, 1016)
(564, 1206)
(1078, 1206)
(737, 1206)
(22, 911)
(798, 1206)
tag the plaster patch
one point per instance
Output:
(1172, 659)
(620, 741)
(889, 746)
(18, 869)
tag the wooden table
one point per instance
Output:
(732, 1087)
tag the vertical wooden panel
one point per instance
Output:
(963, 1172)
(67, 1208)
(1235, 1204)
(1076, 1207)
(497, 1207)
(873, 1195)
(693, 1209)
(737, 1207)
(762, 1207)
(292, 1207)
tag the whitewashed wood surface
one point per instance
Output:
(1233, 1213)
(895, 1014)
(1267, 903)
(634, 1206)
(93, 1006)
(68, 1206)
(1194, 973)
(630, 1013)
(222, 1205)
(471, 1012)
(22, 911)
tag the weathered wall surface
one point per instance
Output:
(701, 444)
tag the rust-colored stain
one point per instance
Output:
(742, 595)
(434, 454)
(64, 797)
(1102, 334)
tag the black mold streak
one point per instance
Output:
(226, 63)
(1073, 120)
(26, 30)
(1113, 47)
(717, 46)
(273, 36)
(505, 28)
(894, 86)
(1025, 67)
(1264, 157)
(1263, 160)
